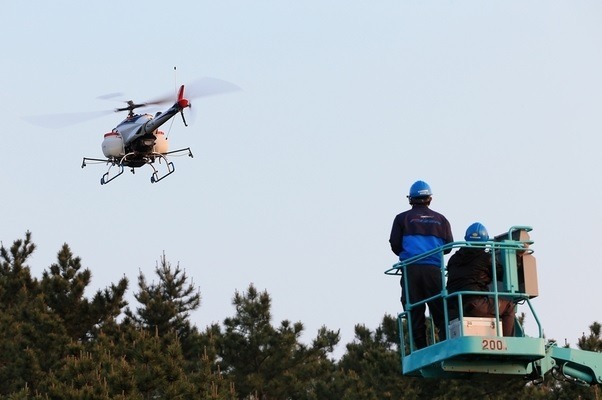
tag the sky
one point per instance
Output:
(296, 178)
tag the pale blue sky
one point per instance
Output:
(296, 179)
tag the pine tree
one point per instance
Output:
(592, 342)
(267, 362)
(370, 369)
(32, 338)
(166, 306)
(64, 285)
(127, 363)
(15, 275)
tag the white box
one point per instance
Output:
(473, 326)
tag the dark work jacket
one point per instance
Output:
(419, 230)
(469, 269)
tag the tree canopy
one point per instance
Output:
(55, 343)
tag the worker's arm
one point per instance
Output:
(396, 238)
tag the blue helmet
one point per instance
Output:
(476, 233)
(420, 189)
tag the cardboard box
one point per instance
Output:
(473, 326)
(527, 276)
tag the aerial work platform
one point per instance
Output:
(475, 346)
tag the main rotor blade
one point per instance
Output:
(200, 88)
(110, 96)
(208, 87)
(63, 120)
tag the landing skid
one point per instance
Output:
(135, 160)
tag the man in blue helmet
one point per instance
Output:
(471, 269)
(414, 232)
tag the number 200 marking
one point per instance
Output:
(493, 344)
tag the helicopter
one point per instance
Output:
(137, 141)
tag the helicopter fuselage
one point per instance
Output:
(134, 136)
(138, 135)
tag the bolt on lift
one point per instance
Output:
(475, 346)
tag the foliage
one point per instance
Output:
(371, 367)
(268, 362)
(31, 339)
(592, 342)
(55, 343)
(166, 306)
(63, 287)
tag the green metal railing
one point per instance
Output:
(505, 249)
(466, 355)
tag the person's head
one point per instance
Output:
(476, 233)
(420, 193)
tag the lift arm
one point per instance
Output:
(578, 366)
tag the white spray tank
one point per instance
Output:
(112, 145)
(161, 144)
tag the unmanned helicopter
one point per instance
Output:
(137, 141)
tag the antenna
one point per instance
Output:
(175, 84)
(175, 79)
